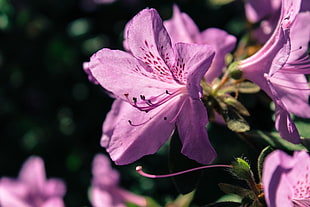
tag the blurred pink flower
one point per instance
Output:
(286, 179)
(157, 86)
(31, 188)
(105, 190)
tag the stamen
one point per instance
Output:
(140, 124)
(179, 111)
(151, 103)
(141, 172)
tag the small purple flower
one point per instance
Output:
(286, 179)
(31, 188)
(279, 68)
(160, 87)
(105, 190)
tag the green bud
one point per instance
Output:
(234, 72)
(241, 169)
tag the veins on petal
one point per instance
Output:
(156, 62)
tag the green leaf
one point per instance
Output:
(306, 143)
(261, 158)
(247, 87)
(182, 200)
(238, 190)
(229, 100)
(234, 120)
(184, 183)
(151, 202)
(231, 110)
(274, 140)
(224, 204)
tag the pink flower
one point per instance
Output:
(286, 179)
(105, 191)
(31, 189)
(279, 68)
(160, 84)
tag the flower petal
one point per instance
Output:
(191, 64)
(33, 173)
(125, 76)
(135, 128)
(182, 28)
(104, 198)
(276, 187)
(13, 193)
(192, 130)
(103, 174)
(300, 36)
(223, 43)
(293, 90)
(112, 118)
(53, 202)
(153, 45)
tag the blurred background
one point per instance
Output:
(50, 109)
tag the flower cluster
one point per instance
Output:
(171, 81)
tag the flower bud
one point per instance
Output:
(241, 169)
(234, 72)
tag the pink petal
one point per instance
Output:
(285, 125)
(100, 198)
(103, 174)
(192, 62)
(53, 202)
(257, 10)
(191, 124)
(112, 118)
(13, 193)
(181, 27)
(223, 43)
(300, 36)
(277, 190)
(153, 45)
(33, 173)
(54, 188)
(293, 90)
(125, 76)
(286, 178)
(139, 133)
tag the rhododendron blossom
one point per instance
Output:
(160, 84)
(31, 188)
(105, 190)
(286, 179)
(279, 68)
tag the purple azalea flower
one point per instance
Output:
(279, 68)
(32, 189)
(160, 87)
(105, 190)
(286, 179)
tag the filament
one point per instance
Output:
(141, 172)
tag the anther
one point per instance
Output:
(134, 100)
